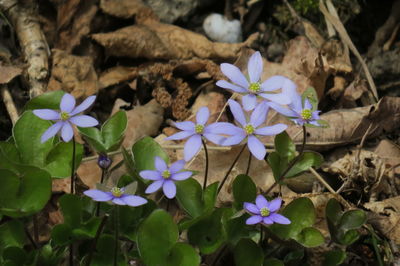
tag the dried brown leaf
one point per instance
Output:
(128, 9)
(7, 73)
(116, 75)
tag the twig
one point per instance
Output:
(9, 103)
(320, 179)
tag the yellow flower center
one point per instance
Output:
(166, 174)
(255, 87)
(249, 129)
(117, 192)
(306, 114)
(264, 212)
(199, 129)
(64, 116)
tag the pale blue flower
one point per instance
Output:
(265, 212)
(116, 196)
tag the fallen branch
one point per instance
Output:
(9, 103)
(32, 41)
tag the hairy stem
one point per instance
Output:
(116, 225)
(206, 170)
(249, 164)
(292, 162)
(230, 169)
(73, 166)
(96, 238)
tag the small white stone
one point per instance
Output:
(218, 28)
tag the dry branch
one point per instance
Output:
(33, 43)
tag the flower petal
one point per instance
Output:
(255, 67)
(249, 101)
(307, 104)
(234, 140)
(214, 138)
(256, 147)
(67, 103)
(226, 85)
(279, 98)
(271, 130)
(98, 195)
(259, 114)
(133, 200)
(192, 146)
(47, 114)
(118, 201)
(290, 90)
(282, 110)
(279, 219)
(275, 204)
(234, 74)
(67, 132)
(160, 164)
(224, 128)
(202, 115)
(181, 175)
(51, 131)
(180, 135)
(154, 186)
(254, 220)
(84, 105)
(169, 189)
(150, 175)
(273, 83)
(237, 112)
(84, 121)
(176, 166)
(267, 220)
(250, 207)
(185, 125)
(261, 202)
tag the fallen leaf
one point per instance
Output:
(116, 75)
(73, 74)
(127, 9)
(7, 73)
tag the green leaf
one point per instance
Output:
(94, 138)
(207, 233)
(59, 160)
(15, 254)
(353, 219)
(274, 161)
(71, 207)
(189, 196)
(25, 193)
(61, 234)
(334, 257)
(349, 237)
(246, 252)
(284, 146)
(113, 130)
(12, 234)
(210, 196)
(10, 151)
(310, 237)
(156, 236)
(308, 159)
(144, 152)
(27, 133)
(244, 190)
(49, 100)
(301, 214)
(105, 252)
(183, 254)
(273, 262)
(333, 211)
(236, 227)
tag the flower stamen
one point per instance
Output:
(265, 212)
(306, 114)
(166, 174)
(249, 129)
(255, 87)
(199, 129)
(117, 192)
(64, 116)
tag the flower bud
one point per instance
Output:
(104, 161)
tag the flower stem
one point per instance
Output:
(261, 235)
(292, 162)
(206, 170)
(73, 166)
(230, 169)
(249, 164)
(116, 225)
(103, 174)
(96, 238)
(71, 255)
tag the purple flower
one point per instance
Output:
(265, 212)
(250, 129)
(195, 131)
(252, 88)
(298, 111)
(116, 196)
(66, 117)
(164, 177)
